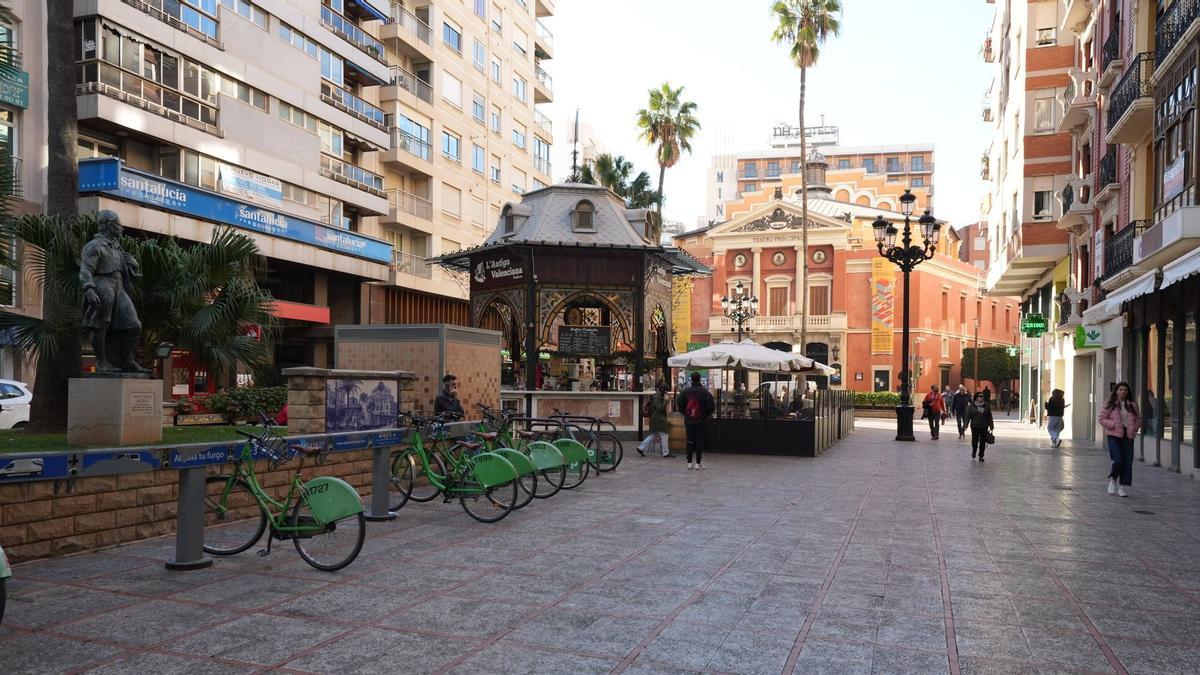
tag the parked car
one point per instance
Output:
(14, 404)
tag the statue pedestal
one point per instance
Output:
(114, 411)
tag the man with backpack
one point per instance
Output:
(697, 405)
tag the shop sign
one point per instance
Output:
(585, 340)
(108, 176)
(1034, 325)
(1088, 337)
(496, 271)
(14, 88)
(1173, 176)
(251, 186)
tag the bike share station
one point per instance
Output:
(579, 288)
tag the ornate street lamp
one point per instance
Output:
(906, 256)
(740, 308)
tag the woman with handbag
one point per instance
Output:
(934, 407)
(1121, 422)
(660, 426)
(979, 417)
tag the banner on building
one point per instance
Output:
(253, 187)
(681, 313)
(883, 315)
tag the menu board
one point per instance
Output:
(585, 340)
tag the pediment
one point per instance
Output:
(779, 216)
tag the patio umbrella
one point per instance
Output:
(750, 355)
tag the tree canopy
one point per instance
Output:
(995, 365)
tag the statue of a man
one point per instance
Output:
(109, 318)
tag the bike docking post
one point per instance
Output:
(381, 478)
(189, 522)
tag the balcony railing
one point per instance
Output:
(412, 264)
(409, 21)
(543, 121)
(1108, 169)
(986, 51)
(543, 77)
(987, 109)
(351, 33)
(406, 80)
(1118, 250)
(353, 105)
(1134, 84)
(1111, 51)
(411, 144)
(173, 21)
(409, 203)
(97, 77)
(542, 165)
(545, 35)
(355, 176)
(1172, 25)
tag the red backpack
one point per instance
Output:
(695, 408)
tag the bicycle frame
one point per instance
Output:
(456, 468)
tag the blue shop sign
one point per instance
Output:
(109, 176)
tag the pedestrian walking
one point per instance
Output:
(1005, 400)
(1056, 406)
(933, 409)
(979, 417)
(660, 426)
(987, 395)
(1150, 420)
(1121, 422)
(947, 400)
(697, 405)
(960, 403)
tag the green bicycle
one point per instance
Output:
(485, 483)
(497, 433)
(322, 517)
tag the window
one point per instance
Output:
(451, 146)
(993, 316)
(331, 139)
(772, 169)
(198, 14)
(893, 164)
(519, 86)
(962, 308)
(818, 300)
(332, 67)
(497, 20)
(520, 40)
(945, 348)
(296, 116)
(452, 36)
(451, 89)
(582, 217)
(518, 135)
(751, 170)
(843, 164)
(495, 169)
(88, 147)
(518, 182)
(244, 93)
(777, 300)
(477, 158)
(496, 74)
(751, 187)
(1046, 37)
(243, 8)
(1043, 208)
(298, 40)
(510, 221)
(477, 108)
(945, 305)
(918, 182)
(479, 56)
(414, 137)
(496, 118)
(918, 163)
(1043, 113)
(451, 200)
(481, 9)
(477, 212)
(795, 166)
(869, 164)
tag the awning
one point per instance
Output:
(1181, 269)
(1101, 312)
(1138, 287)
(298, 311)
(369, 9)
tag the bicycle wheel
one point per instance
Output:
(608, 452)
(409, 480)
(487, 505)
(550, 481)
(329, 548)
(528, 484)
(233, 519)
(576, 473)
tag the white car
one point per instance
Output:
(14, 404)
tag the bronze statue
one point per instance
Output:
(109, 317)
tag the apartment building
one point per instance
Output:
(350, 138)
(873, 176)
(1029, 162)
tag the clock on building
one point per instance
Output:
(818, 257)
(739, 260)
(778, 258)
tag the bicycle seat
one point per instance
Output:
(488, 435)
(305, 450)
(526, 434)
(469, 445)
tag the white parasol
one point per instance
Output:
(750, 355)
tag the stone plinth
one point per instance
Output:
(114, 411)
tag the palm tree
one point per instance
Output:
(613, 172)
(668, 124)
(804, 25)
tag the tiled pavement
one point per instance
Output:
(877, 557)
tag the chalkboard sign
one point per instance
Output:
(585, 340)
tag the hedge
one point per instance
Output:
(888, 399)
(240, 403)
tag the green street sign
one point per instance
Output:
(1034, 325)
(1013, 351)
(14, 88)
(1088, 337)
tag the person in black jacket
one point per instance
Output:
(447, 399)
(697, 405)
(1056, 407)
(979, 416)
(959, 405)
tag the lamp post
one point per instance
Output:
(740, 308)
(906, 256)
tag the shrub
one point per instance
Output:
(881, 399)
(244, 403)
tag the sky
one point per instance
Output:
(899, 72)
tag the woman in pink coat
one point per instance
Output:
(1121, 422)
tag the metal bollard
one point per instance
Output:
(381, 476)
(189, 522)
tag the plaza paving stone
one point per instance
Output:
(878, 557)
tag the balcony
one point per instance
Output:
(348, 31)
(352, 175)
(543, 122)
(406, 87)
(175, 22)
(781, 324)
(1069, 309)
(1177, 23)
(1076, 16)
(1131, 106)
(1111, 63)
(985, 167)
(1170, 238)
(544, 8)
(1078, 100)
(107, 80)
(412, 36)
(413, 265)
(1076, 204)
(409, 210)
(987, 109)
(542, 165)
(986, 50)
(1034, 249)
(409, 153)
(352, 105)
(1118, 255)
(543, 42)
(543, 87)
(1106, 183)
